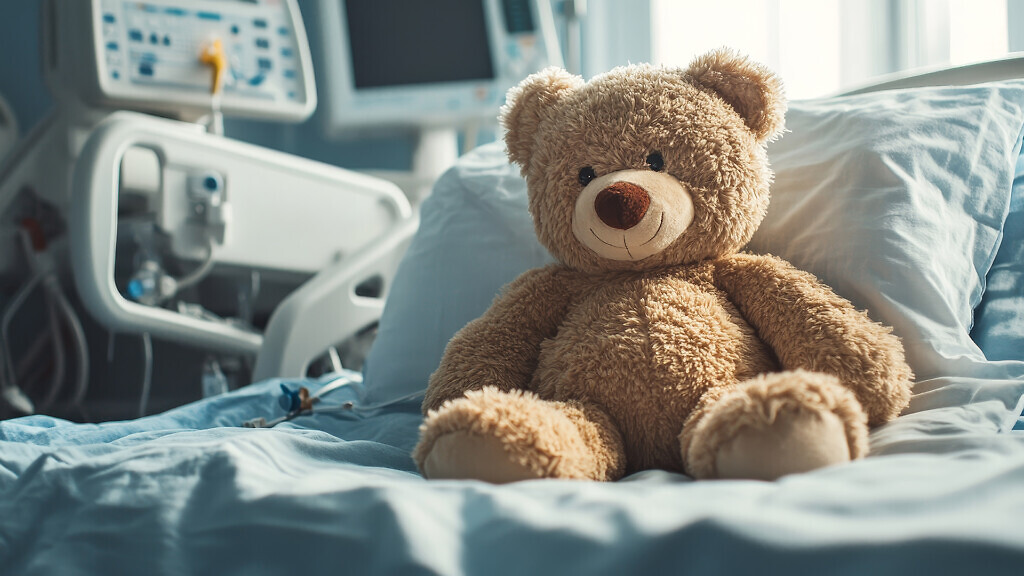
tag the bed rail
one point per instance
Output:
(1009, 68)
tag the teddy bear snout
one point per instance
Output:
(622, 205)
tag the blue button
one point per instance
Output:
(112, 46)
(208, 15)
(259, 23)
(167, 40)
(264, 63)
(135, 289)
(146, 69)
(286, 52)
(135, 35)
(257, 80)
(283, 30)
(109, 18)
(174, 11)
(262, 43)
(234, 29)
(289, 73)
(153, 38)
(115, 75)
(211, 183)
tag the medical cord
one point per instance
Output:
(301, 404)
(5, 324)
(57, 307)
(57, 344)
(199, 273)
(24, 369)
(147, 372)
(55, 296)
(81, 347)
(213, 56)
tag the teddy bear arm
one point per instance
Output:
(810, 327)
(501, 348)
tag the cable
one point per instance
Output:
(214, 56)
(59, 366)
(23, 371)
(147, 374)
(78, 338)
(5, 324)
(199, 273)
(9, 390)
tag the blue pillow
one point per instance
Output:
(475, 236)
(896, 199)
(999, 321)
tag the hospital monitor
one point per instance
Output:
(145, 55)
(429, 64)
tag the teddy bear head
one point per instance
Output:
(646, 166)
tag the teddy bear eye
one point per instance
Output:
(586, 175)
(655, 161)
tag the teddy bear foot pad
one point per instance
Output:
(778, 424)
(798, 441)
(464, 455)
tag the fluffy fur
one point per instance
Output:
(697, 358)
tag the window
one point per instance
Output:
(825, 46)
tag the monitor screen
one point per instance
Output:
(417, 42)
(428, 63)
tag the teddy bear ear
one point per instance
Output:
(753, 90)
(526, 104)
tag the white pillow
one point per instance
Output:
(895, 199)
(475, 236)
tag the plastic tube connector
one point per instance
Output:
(214, 57)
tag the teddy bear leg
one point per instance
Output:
(773, 425)
(503, 437)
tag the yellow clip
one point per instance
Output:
(213, 56)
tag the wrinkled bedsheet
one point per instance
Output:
(191, 492)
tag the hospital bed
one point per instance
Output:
(908, 201)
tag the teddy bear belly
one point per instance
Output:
(645, 354)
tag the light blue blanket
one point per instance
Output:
(190, 492)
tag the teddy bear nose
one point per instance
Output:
(622, 205)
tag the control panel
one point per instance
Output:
(243, 57)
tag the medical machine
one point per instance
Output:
(435, 67)
(168, 228)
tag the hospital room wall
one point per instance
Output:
(614, 33)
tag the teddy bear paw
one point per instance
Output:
(462, 454)
(779, 424)
(502, 437)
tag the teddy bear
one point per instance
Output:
(654, 341)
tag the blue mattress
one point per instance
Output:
(191, 492)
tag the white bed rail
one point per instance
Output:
(1009, 68)
(327, 309)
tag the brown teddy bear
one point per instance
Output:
(653, 342)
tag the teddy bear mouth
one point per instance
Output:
(656, 232)
(625, 244)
